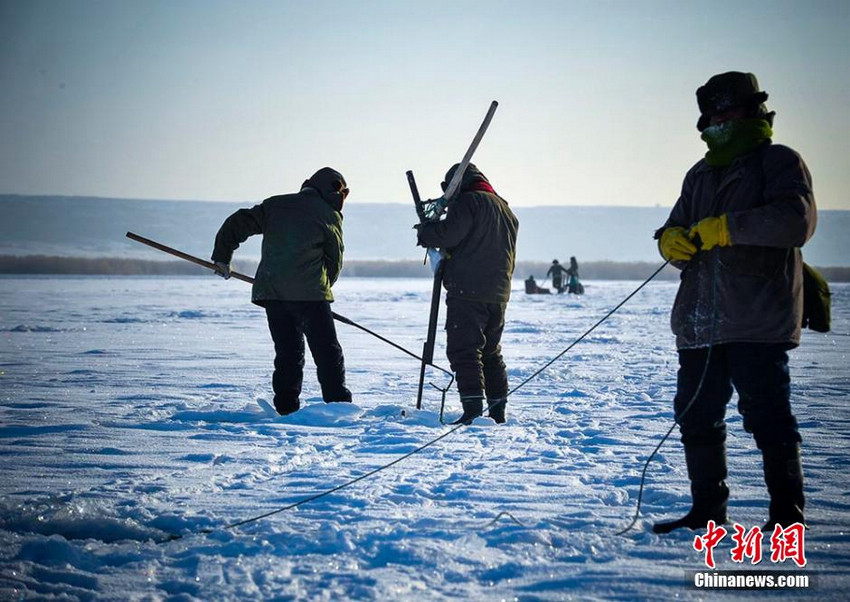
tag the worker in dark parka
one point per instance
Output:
(478, 238)
(557, 271)
(735, 232)
(301, 259)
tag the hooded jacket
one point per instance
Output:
(478, 235)
(302, 240)
(757, 295)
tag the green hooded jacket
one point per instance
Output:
(302, 240)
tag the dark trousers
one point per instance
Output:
(289, 322)
(473, 335)
(758, 372)
(558, 283)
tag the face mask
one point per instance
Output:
(721, 134)
(733, 138)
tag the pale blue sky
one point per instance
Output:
(221, 100)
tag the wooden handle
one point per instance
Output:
(197, 260)
(458, 175)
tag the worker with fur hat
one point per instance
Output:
(744, 211)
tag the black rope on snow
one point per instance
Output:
(345, 320)
(322, 494)
(592, 328)
(677, 419)
(574, 343)
(500, 515)
(175, 537)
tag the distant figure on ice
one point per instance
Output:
(574, 287)
(531, 287)
(301, 260)
(479, 235)
(557, 271)
(735, 232)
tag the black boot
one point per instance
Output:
(706, 470)
(285, 407)
(340, 394)
(497, 409)
(783, 474)
(473, 407)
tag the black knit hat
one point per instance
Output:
(731, 90)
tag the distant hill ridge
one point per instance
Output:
(88, 227)
(116, 266)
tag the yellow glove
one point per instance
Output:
(712, 231)
(675, 246)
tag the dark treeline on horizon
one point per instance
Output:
(116, 266)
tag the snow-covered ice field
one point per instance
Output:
(130, 409)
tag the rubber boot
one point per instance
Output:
(473, 407)
(783, 474)
(707, 471)
(497, 409)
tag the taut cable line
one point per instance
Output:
(589, 330)
(249, 280)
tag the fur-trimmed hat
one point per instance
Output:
(730, 90)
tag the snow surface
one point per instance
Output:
(131, 410)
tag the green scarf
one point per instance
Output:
(729, 140)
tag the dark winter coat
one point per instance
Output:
(479, 236)
(302, 244)
(767, 195)
(556, 270)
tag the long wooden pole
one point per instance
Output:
(467, 158)
(249, 280)
(451, 187)
(436, 290)
(186, 256)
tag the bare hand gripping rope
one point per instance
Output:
(249, 280)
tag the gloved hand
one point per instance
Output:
(712, 232)
(222, 269)
(432, 209)
(675, 245)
